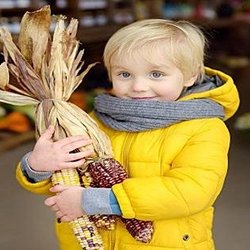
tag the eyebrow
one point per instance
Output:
(159, 66)
(118, 67)
(155, 66)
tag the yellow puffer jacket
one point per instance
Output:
(176, 174)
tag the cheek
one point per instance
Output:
(170, 92)
(119, 88)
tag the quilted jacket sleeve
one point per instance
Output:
(192, 183)
(41, 187)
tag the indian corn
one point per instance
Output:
(45, 71)
(84, 229)
(101, 221)
(106, 173)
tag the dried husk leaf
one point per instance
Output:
(16, 99)
(28, 79)
(79, 121)
(66, 61)
(78, 78)
(34, 35)
(9, 46)
(4, 75)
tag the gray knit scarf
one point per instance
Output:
(141, 115)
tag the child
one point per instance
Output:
(164, 117)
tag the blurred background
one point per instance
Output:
(25, 222)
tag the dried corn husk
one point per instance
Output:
(45, 71)
(46, 74)
(4, 75)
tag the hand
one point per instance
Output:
(51, 156)
(66, 203)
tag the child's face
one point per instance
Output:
(137, 78)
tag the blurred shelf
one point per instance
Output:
(222, 22)
(97, 33)
(99, 19)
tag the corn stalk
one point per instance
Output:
(44, 70)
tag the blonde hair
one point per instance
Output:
(183, 41)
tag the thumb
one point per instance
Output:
(58, 188)
(48, 132)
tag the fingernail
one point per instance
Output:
(51, 189)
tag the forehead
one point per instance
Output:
(156, 56)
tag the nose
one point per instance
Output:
(139, 85)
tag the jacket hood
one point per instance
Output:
(218, 87)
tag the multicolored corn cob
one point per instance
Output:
(104, 221)
(140, 230)
(87, 234)
(106, 173)
(100, 220)
(84, 229)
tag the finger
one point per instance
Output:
(68, 140)
(65, 219)
(47, 135)
(54, 208)
(51, 201)
(73, 164)
(79, 155)
(76, 145)
(58, 188)
(59, 215)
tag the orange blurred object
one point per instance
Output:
(15, 122)
(79, 99)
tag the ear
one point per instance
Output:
(190, 82)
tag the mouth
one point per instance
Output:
(143, 98)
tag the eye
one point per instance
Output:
(156, 74)
(124, 74)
